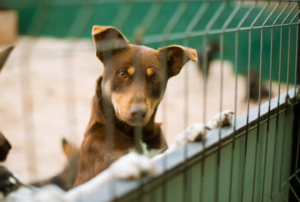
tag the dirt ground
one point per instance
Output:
(46, 89)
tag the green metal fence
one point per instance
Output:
(257, 162)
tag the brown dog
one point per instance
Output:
(254, 86)
(127, 97)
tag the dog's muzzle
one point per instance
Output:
(138, 112)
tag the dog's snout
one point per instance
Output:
(137, 111)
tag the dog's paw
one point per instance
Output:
(222, 119)
(133, 166)
(194, 132)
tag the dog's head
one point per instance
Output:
(135, 77)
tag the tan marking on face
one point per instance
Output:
(150, 72)
(131, 70)
(153, 103)
(122, 103)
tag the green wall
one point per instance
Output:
(74, 18)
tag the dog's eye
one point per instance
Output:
(154, 79)
(123, 74)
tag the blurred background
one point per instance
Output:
(49, 80)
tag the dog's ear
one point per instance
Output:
(4, 147)
(4, 55)
(67, 147)
(176, 57)
(107, 40)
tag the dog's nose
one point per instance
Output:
(137, 111)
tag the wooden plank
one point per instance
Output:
(9, 26)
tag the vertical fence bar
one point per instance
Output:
(109, 124)
(296, 100)
(186, 116)
(235, 101)
(286, 100)
(292, 192)
(166, 33)
(269, 106)
(35, 28)
(298, 65)
(279, 81)
(228, 21)
(235, 110)
(151, 15)
(259, 96)
(189, 29)
(221, 105)
(248, 107)
(205, 67)
(188, 32)
(248, 100)
(221, 99)
(295, 183)
(76, 30)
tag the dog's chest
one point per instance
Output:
(147, 152)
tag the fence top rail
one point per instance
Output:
(194, 150)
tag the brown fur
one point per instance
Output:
(211, 51)
(254, 86)
(113, 119)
